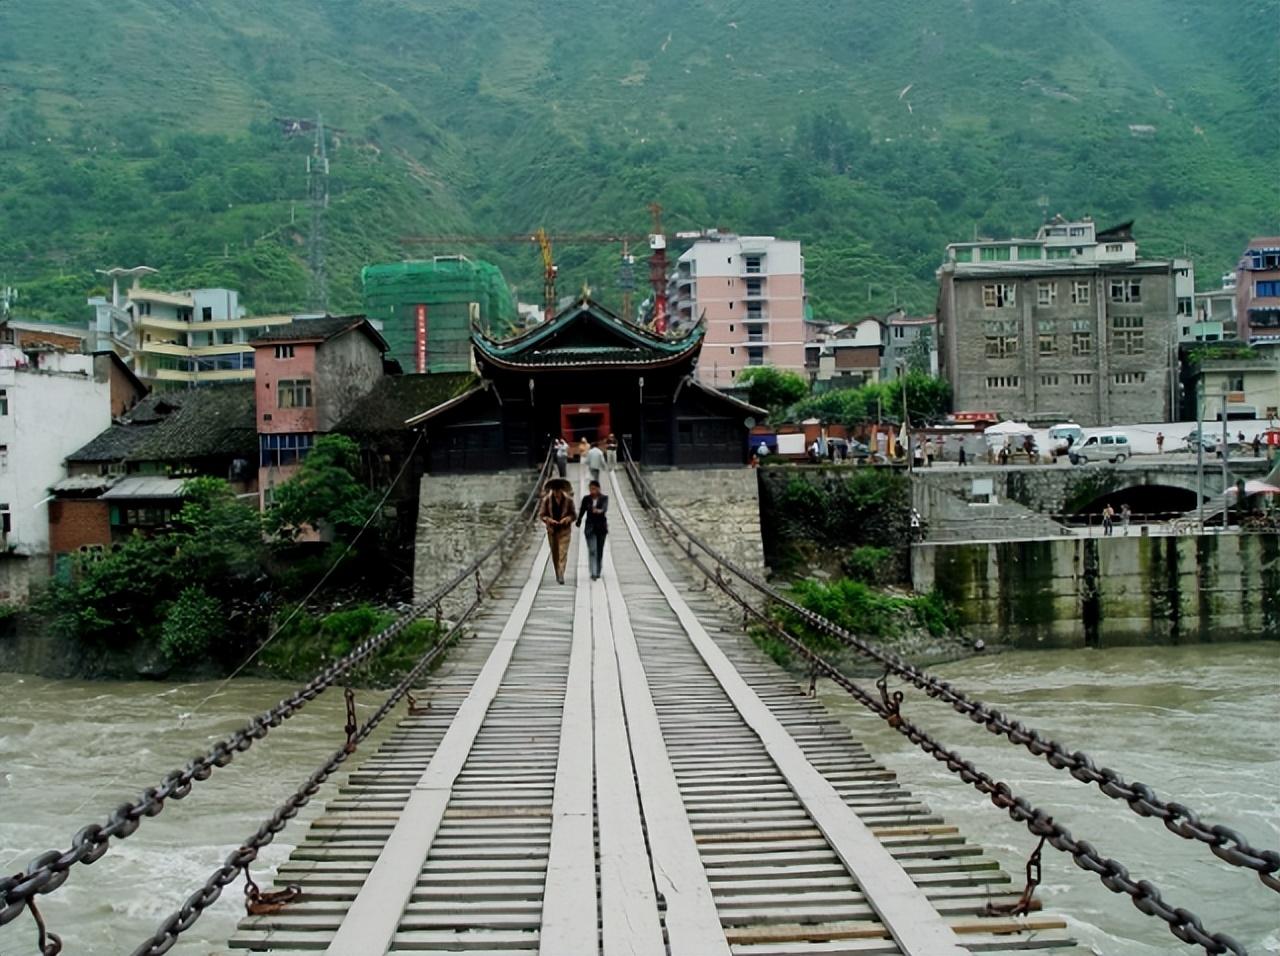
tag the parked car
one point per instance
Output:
(1211, 441)
(1064, 437)
(1105, 446)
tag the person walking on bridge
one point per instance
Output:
(556, 512)
(594, 509)
(595, 461)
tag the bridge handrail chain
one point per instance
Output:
(1225, 843)
(49, 870)
(240, 859)
(1144, 895)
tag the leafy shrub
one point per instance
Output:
(190, 625)
(864, 611)
(871, 564)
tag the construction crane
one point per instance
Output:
(545, 240)
(548, 271)
(658, 269)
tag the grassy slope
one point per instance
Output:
(135, 130)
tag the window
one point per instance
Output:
(1082, 378)
(755, 355)
(1115, 247)
(1058, 252)
(4, 401)
(1184, 306)
(1048, 381)
(1079, 231)
(1080, 293)
(1266, 289)
(283, 449)
(1235, 383)
(227, 338)
(293, 393)
(1047, 347)
(144, 308)
(997, 295)
(4, 457)
(1126, 290)
(1003, 381)
(1046, 293)
(1026, 253)
(963, 255)
(1129, 378)
(754, 310)
(1001, 339)
(206, 314)
(995, 254)
(753, 264)
(1127, 334)
(284, 351)
(1081, 344)
(6, 520)
(755, 287)
(899, 332)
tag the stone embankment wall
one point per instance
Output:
(1098, 592)
(458, 517)
(719, 505)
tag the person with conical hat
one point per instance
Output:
(556, 512)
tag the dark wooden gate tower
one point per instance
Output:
(585, 374)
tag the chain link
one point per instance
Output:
(239, 860)
(48, 871)
(1224, 842)
(1144, 895)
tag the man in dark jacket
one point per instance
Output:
(594, 509)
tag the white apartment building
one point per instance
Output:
(200, 335)
(51, 403)
(750, 292)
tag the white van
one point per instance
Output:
(1104, 446)
(1064, 437)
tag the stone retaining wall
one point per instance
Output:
(458, 517)
(719, 505)
(1073, 592)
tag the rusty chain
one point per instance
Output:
(49, 870)
(1226, 843)
(1144, 895)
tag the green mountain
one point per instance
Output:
(144, 131)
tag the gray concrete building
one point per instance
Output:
(1069, 326)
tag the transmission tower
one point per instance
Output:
(318, 197)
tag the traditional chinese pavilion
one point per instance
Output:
(585, 374)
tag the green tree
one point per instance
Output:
(325, 493)
(772, 388)
(191, 625)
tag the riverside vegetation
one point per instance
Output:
(874, 132)
(199, 597)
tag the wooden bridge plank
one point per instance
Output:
(900, 904)
(371, 924)
(690, 910)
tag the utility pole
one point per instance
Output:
(1200, 448)
(1226, 513)
(318, 197)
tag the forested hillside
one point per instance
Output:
(141, 131)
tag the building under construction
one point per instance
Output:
(427, 308)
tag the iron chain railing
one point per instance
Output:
(48, 871)
(1224, 842)
(1144, 895)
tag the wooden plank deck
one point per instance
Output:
(612, 767)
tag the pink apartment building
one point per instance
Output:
(309, 374)
(1258, 289)
(750, 289)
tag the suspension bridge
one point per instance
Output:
(611, 766)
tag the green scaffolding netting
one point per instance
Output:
(454, 290)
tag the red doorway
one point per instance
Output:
(584, 421)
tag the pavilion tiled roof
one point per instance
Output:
(587, 335)
(318, 330)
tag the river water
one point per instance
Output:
(1198, 723)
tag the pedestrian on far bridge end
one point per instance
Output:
(595, 462)
(560, 451)
(611, 451)
(594, 509)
